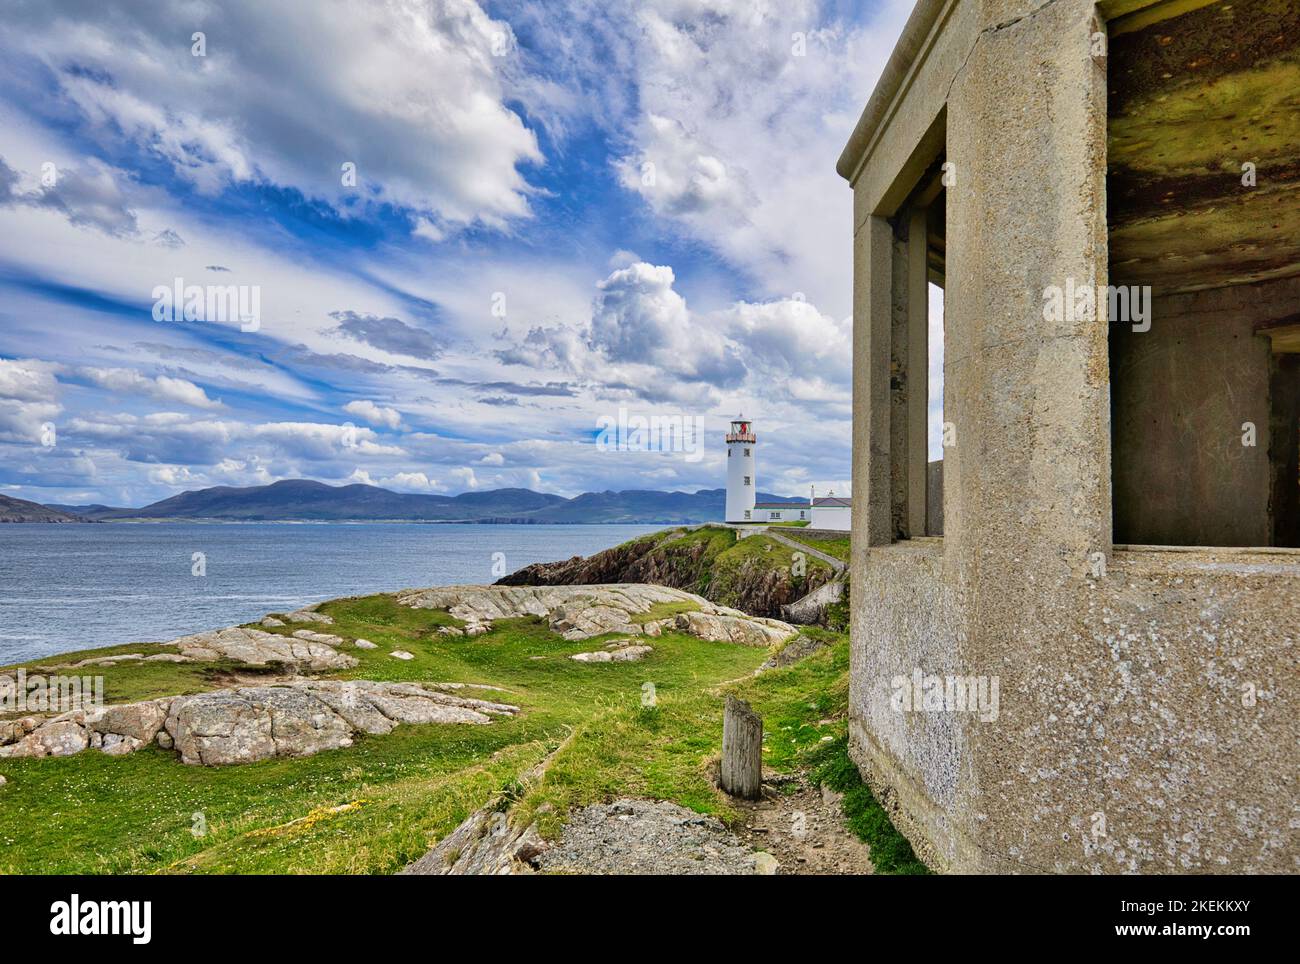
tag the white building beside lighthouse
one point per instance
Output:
(741, 473)
(829, 513)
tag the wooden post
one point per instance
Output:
(742, 750)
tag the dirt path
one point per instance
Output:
(803, 828)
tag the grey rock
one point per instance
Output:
(54, 738)
(485, 843)
(308, 615)
(580, 612)
(616, 654)
(646, 837)
(115, 744)
(257, 648)
(312, 636)
(140, 721)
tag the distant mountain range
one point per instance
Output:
(20, 510)
(304, 500)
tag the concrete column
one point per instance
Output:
(918, 370)
(900, 378)
(872, 279)
(1029, 487)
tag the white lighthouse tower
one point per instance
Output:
(741, 476)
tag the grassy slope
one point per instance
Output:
(668, 751)
(375, 806)
(94, 813)
(839, 548)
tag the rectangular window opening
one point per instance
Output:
(1203, 226)
(916, 352)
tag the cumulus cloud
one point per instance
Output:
(641, 338)
(644, 341)
(465, 476)
(29, 398)
(412, 96)
(790, 336)
(638, 317)
(716, 79)
(374, 414)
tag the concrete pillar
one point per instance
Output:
(918, 370)
(873, 253)
(1027, 483)
(900, 378)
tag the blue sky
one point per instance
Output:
(558, 211)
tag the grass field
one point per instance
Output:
(375, 806)
(839, 548)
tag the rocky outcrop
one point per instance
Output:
(581, 612)
(619, 651)
(812, 607)
(657, 561)
(250, 723)
(309, 615)
(257, 648)
(752, 585)
(725, 626)
(800, 647)
(484, 843)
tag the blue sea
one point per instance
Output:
(68, 587)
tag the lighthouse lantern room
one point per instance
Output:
(741, 475)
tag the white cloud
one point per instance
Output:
(410, 482)
(465, 476)
(163, 387)
(28, 380)
(743, 131)
(408, 91)
(29, 395)
(374, 414)
(172, 475)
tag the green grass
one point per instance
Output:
(891, 853)
(375, 806)
(839, 548)
(400, 793)
(136, 680)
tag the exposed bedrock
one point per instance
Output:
(753, 586)
(250, 723)
(580, 612)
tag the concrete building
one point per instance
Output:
(832, 512)
(1116, 589)
(782, 512)
(741, 471)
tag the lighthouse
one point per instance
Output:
(741, 478)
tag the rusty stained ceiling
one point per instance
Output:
(1193, 96)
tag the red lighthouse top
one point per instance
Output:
(742, 430)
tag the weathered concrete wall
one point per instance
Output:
(1181, 394)
(1143, 721)
(1145, 724)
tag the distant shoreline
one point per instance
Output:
(428, 522)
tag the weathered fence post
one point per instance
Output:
(742, 750)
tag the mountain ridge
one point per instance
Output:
(21, 510)
(305, 500)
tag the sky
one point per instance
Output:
(465, 234)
